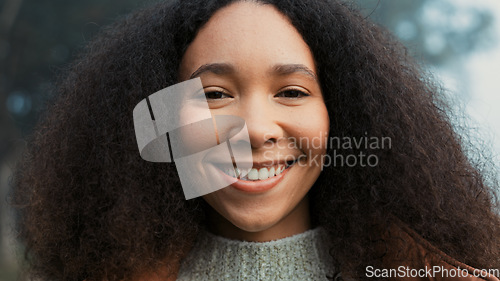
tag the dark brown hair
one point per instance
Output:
(90, 208)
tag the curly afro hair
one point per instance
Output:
(89, 208)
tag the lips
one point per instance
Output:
(258, 179)
(259, 171)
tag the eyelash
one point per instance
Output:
(220, 95)
(301, 94)
(216, 92)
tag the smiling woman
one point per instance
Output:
(301, 74)
(267, 77)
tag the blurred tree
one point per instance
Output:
(40, 37)
(436, 31)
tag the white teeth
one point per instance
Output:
(263, 173)
(272, 172)
(279, 170)
(235, 173)
(253, 174)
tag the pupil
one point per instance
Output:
(214, 95)
(292, 94)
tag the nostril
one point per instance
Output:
(269, 143)
(264, 133)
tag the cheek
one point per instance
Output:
(310, 128)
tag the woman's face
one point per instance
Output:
(254, 64)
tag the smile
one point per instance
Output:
(257, 173)
(258, 179)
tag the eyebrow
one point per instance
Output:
(216, 68)
(287, 69)
(280, 69)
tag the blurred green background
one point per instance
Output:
(38, 38)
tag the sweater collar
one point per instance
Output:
(300, 257)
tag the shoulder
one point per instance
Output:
(410, 256)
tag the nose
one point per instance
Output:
(263, 122)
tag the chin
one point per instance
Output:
(253, 220)
(261, 221)
(254, 225)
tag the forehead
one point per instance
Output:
(247, 35)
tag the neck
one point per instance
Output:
(297, 221)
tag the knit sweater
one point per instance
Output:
(300, 257)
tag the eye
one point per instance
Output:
(216, 95)
(292, 94)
